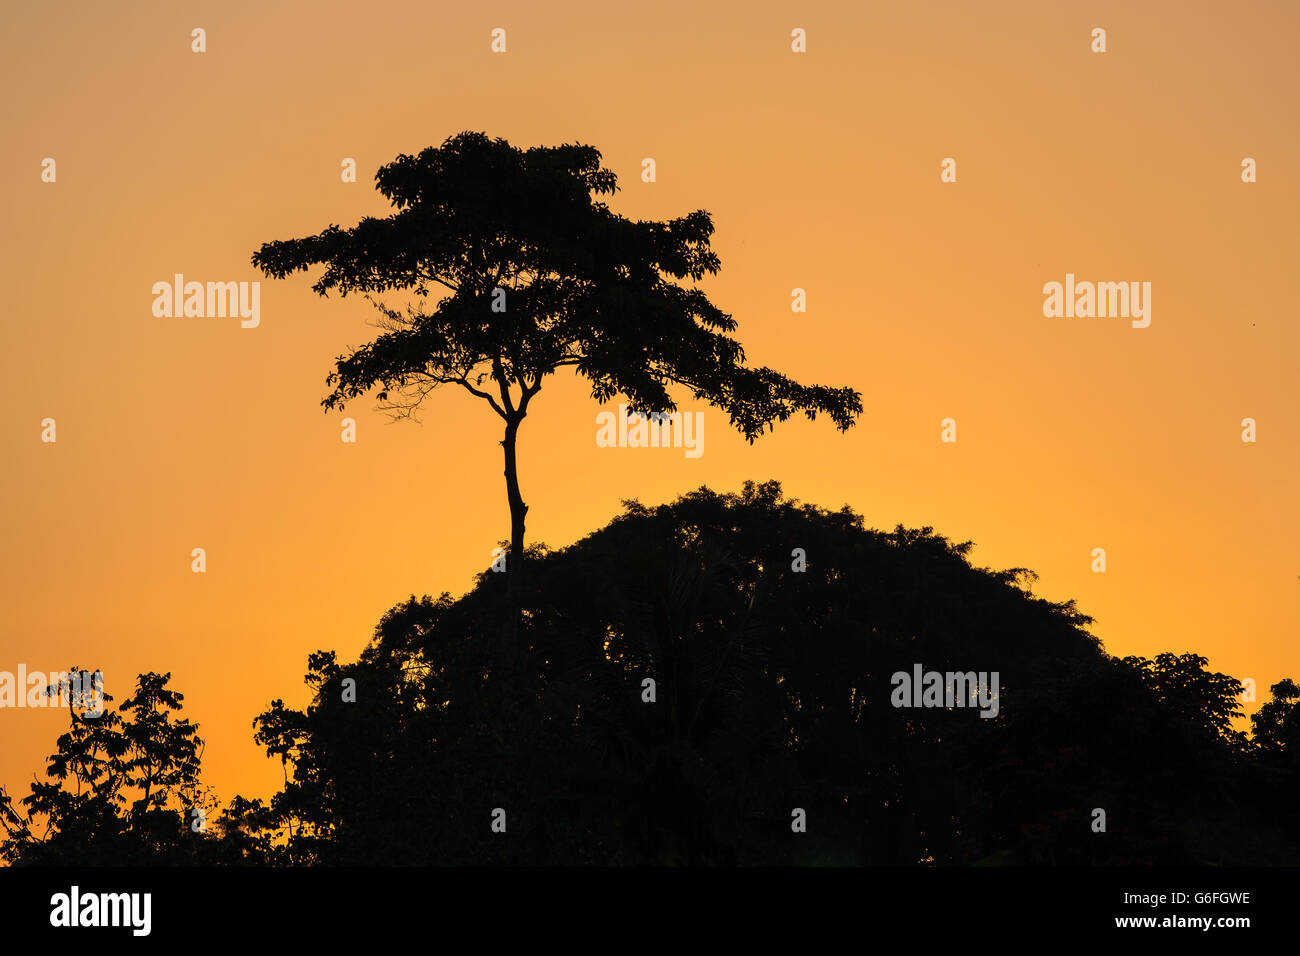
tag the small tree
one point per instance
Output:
(1276, 725)
(535, 273)
(124, 786)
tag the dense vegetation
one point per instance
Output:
(771, 692)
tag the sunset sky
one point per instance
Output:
(821, 171)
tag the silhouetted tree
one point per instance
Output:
(1277, 722)
(1205, 702)
(124, 788)
(535, 273)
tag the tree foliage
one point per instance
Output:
(122, 787)
(584, 287)
(772, 692)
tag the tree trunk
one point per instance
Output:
(515, 557)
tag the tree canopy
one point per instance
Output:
(772, 692)
(534, 272)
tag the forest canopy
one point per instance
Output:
(690, 677)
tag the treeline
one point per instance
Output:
(686, 681)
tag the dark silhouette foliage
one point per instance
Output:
(122, 787)
(772, 692)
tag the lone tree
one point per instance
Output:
(534, 273)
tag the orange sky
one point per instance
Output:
(821, 171)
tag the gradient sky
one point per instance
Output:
(821, 171)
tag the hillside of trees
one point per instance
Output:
(684, 680)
